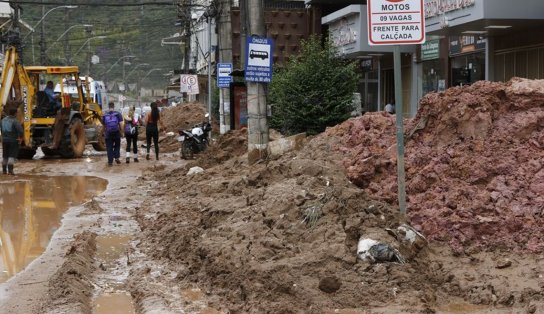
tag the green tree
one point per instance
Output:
(314, 90)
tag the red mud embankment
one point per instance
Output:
(474, 164)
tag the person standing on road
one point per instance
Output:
(152, 121)
(112, 127)
(12, 132)
(131, 133)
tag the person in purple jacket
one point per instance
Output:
(113, 127)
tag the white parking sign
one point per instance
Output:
(395, 22)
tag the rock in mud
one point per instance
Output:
(195, 170)
(504, 263)
(330, 284)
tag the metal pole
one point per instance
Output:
(42, 39)
(210, 70)
(400, 130)
(33, 56)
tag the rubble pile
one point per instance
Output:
(295, 234)
(222, 148)
(183, 116)
(474, 164)
(269, 237)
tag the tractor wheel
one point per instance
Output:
(100, 145)
(73, 143)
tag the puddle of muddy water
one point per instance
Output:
(110, 248)
(113, 303)
(31, 209)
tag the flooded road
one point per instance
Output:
(31, 209)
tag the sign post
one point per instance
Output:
(188, 84)
(258, 60)
(223, 75)
(397, 22)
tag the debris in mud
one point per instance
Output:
(194, 170)
(376, 252)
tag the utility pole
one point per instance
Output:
(256, 97)
(243, 32)
(225, 56)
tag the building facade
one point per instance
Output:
(482, 39)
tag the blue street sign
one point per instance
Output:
(258, 60)
(223, 75)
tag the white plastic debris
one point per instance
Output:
(195, 170)
(170, 134)
(376, 252)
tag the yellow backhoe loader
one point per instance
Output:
(58, 131)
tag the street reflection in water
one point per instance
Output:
(31, 209)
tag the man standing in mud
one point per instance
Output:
(12, 132)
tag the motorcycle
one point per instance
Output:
(195, 140)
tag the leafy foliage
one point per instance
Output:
(314, 91)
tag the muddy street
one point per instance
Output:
(218, 235)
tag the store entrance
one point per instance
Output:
(467, 69)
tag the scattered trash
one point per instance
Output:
(195, 170)
(312, 215)
(376, 252)
(170, 134)
(411, 241)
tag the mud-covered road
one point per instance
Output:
(281, 236)
(69, 238)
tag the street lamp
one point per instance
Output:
(43, 17)
(66, 31)
(42, 35)
(88, 40)
(140, 84)
(123, 57)
(137, 66)
(149, 72)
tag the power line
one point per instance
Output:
(94, 3)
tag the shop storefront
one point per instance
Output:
(467, 60)
(489, 39)
(433, 71)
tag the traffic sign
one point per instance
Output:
(223, 75)
(395, 22)
(258, 60)
(188, 84)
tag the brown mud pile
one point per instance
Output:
(183, 116)
(70, 288)
(222, 148)
(247, 235)
(474, 164)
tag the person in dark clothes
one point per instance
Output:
(152, 122)
(12, 132)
